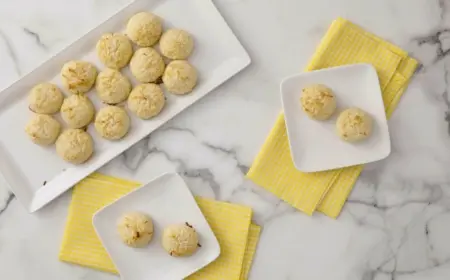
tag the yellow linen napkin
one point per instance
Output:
(252, 242)
(327, 191)
(232, 234)
(80, 245)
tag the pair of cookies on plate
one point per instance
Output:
(319, 103)
(136, 230)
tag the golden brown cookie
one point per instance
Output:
(146, 101)
(318, 101)
(135, 229)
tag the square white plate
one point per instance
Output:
(168, 201)
(315, 146)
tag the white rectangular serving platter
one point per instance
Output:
(37, 175)
(168, 201)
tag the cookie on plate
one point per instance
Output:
(146, 100)
(354, 125)
(43, 129)
(180, 240)
(135, 229)
(77, 111)
(112, 122)
(112, 86)
(75, 146)
(176, 44)
(180, 77)
(147, 65)
(78, 76)
(114, 50)
(318, 102)
(144, 29)
(45, 98)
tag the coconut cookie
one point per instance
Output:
(146, 101)
(43, 129)
(147, 65)
(78, 76)
(112, 86)
(112, 123)
(135, 229)
(180, 77)
(144, 29)
(176, 44)
(45, 98)
(77, 111)
(75, 146)
(318, 102)
(354, 125)
(180, 240)
(114, 50)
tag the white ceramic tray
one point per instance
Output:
(315, 145)
(168, 201)
(37, 175)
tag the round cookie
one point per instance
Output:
(75, 146)
(180, 240)
(135, 229)
(180, 77)
(318, 102)
(354, 125)
(77, 111)
(144, 29)
(78, 76)
(112, 86)
(176, 44)
(114, 50)
(45, 98)
(43, 129)
(146, 100)
(112, 123)
(147, 65)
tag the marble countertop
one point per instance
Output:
(397, 220)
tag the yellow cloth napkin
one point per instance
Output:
(327, 191)
(231, 224)
(237, 237)
(252, 242)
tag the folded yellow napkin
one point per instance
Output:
(273, 169)
(237, 236)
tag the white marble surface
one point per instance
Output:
(397, 221)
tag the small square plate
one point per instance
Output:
(168, 201)
(315, 146)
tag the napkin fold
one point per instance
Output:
(237, 237)
(327, 191)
